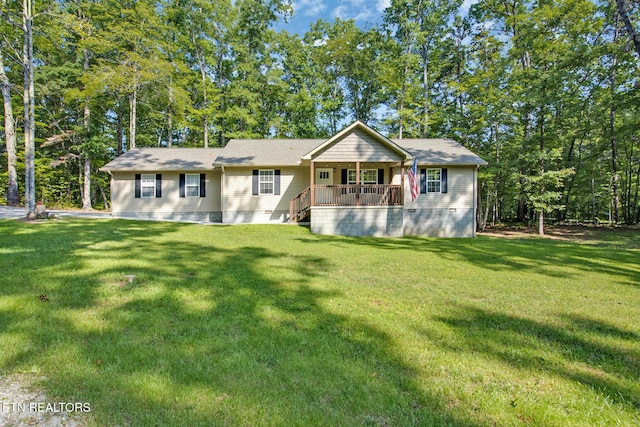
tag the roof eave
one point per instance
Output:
(483, 163)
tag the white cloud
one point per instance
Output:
(365, 15)
(309, 7)
(466, 4)
(360, 10)
(356, 10)
(382, 5)
(340, 12)
(320, 42)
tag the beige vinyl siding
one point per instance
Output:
(124, 203)
(240, 205)
(358, 146)
(460, 191)
(450, 214)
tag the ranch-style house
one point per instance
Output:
(354, 183)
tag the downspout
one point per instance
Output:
(475, 200)
(111, 191)
(222, 178)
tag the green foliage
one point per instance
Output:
(530, 86)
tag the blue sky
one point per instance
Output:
(364, 12)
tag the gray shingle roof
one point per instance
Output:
(266, 152)
(439, 152)
(275, 152)
(164, 159)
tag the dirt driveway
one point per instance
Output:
(17, 212)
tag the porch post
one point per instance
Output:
(357, 183)
(312, 184)
(402, 182)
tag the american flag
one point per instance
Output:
(413, 180)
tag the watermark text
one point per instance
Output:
(47, 407)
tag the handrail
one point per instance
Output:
(358, 195)
(299, 205)
(345, 195)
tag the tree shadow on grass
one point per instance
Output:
(541, 256)
(587, 351)
(204, 335)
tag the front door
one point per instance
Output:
(324, 176)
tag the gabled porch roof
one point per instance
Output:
(354, 127)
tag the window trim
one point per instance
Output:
(187, 185)
(149, 178)
(261, 175)
(430, 180)
(362, 172)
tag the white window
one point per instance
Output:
(192, 185)
(367, 176)
(148, 185)
(266, 181)
(433, 180)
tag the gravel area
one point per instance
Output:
(23, 405)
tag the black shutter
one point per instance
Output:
(343, 177)
(255, 189)
(276, 182)
(423, 181)
(158, 185)
(203, 184)
(138, 187)
(380, 176)
(182, 185)
(443, 180)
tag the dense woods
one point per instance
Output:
(546, 91)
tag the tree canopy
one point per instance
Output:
(546, 91)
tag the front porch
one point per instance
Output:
(353, 184)
(345, 195)
(356, 185)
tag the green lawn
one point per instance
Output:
(271, 325)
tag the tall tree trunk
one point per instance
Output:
(541, 222)
(594, 216)
(133, 104)
(120, 131)
(13, 195)
(86, 194)
(29, 109)
(542, 170)
(205, 122)
(104, 197)
(401, 111)
(635, 203)
(425, 88)
(203, 79)
(169, 128)
(637, 191)
(170, 118)
(622, 12)
(612, 130)
(403, 90)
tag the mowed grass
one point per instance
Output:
(271, 325)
